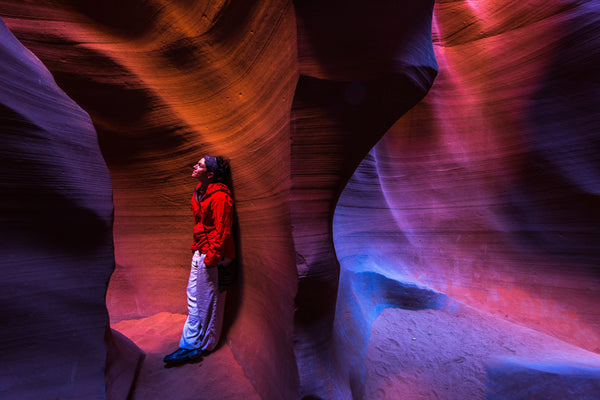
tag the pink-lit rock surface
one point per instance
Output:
(475, 356)
(484, 208)
(216, 377)
(516, 232)
(485, 193)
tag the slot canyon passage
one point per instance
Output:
(416, 188)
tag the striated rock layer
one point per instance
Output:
(358, 74)
(493, 180)
(57, 246)
(166, 84)
(485, 193)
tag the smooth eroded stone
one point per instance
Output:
(57, 246)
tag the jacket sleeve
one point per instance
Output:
(222, 211)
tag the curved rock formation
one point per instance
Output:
(359, 74)
(57, 246)
(485, 193)
(162, 92)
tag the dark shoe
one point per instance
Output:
(182, 356)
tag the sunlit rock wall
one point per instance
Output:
(487, 190)
(166, 84)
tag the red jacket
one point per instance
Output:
(213, 220)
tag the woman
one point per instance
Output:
(212, 206)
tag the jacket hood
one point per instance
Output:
(216, 187)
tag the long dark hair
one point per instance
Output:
(223, 172)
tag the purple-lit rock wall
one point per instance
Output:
(57, 247)
(358, 74)
(487, 190)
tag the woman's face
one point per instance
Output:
(200, 172)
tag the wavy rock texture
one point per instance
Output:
(166, 84)
(359, 74)
(487, 190)
(57, 246)
(484, 193)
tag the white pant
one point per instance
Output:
(206, 305)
